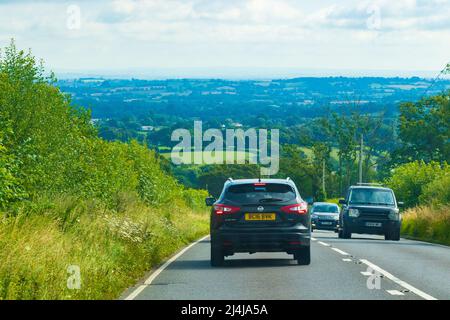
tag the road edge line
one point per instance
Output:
(156, 273)
(402, 283)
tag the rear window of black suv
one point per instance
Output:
(255, 193)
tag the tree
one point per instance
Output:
(424, 130)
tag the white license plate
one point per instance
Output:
(327, 223)
(373, 224)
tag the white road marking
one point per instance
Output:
(346, 259)
(395, 292)
(313, 239)
(153, 276)
(324, 244)
(366, 273)
(398, 281)
(340, 251)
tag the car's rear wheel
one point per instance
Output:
(303, 256)
(217, 257)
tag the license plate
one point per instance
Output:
(260, 216)
(373, 224)
(327, 223)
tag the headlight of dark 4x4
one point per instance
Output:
(394, 215)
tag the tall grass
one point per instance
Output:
(428, 223)
(113, 247)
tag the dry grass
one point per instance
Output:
(112, 247)
(428, 223)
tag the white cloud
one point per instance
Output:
(238, 33)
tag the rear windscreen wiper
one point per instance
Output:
(270, 200)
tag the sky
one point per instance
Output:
(226, 38)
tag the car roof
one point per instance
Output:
(248, 181)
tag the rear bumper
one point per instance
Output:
(359, 226)
(256, 240)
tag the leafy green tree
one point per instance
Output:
(410, 180)
(424, 130)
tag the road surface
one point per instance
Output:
(364, 267)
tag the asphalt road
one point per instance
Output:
(364, 267)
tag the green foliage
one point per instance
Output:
(414, 182)
(437, 191)
(85, 201)
(113, 246)
(424, 130)
(10, 185)
(56, 149)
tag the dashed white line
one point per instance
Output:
(347, 260)
(405, 285)
(395, 292)
(153, 276)
(366, 273)
(340, 251)
(324, 244)
(313, 239)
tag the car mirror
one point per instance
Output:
(400, 203)
(342, 201)
(210, 201)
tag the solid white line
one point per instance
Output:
(136, 292)
(398, 281)
(153, 276)
(340, 251)
(324, 244)
(395, 292)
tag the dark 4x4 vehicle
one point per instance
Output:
(370, 210)
(254, 215)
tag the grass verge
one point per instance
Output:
(113, 248)
(428, 223)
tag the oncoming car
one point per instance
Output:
(259, 215)
(325, 216)
(371, 210)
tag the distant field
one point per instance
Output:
(220, 156)
(165, 152)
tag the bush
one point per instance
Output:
(437, 191)
(409, 181)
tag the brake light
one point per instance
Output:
(220, 209)
(299, 208)
(259, 184)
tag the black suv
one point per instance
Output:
(371, 210)
(254, 215)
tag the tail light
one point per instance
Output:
(299, 208)
(220, 209)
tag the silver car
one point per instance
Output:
(325, 216)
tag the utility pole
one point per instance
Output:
(361, 158)
(323, 178)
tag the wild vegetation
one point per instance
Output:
(68, 197)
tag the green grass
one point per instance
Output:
(112, 247)
(428, 223)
